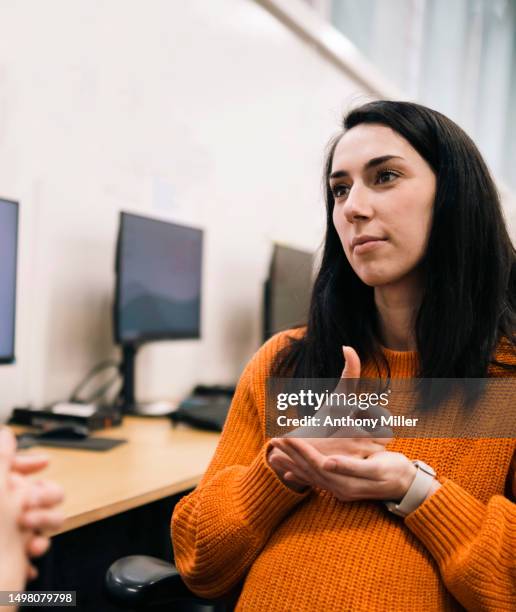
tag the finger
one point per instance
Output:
(350, 372)
(346, 487)
(32, 572)
(287, 447)
(7, 451)
(380, 432)
(29, 464)
(286, 462)
(291, 477)
(351, 363)
(45, 494)
(284, 465)
(310, 454)
(303, 455)
(381, 441)
(281, 461)
(358, 446)
(41, 520)
(351, 466)
(37, 546)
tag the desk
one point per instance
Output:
(157, 461)
(118, 502)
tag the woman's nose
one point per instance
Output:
(358, 204)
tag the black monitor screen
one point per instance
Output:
(158, 292)
(288, 289)
(8, 247)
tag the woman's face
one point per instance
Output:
(384, 193)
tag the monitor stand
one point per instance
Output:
(150, 409)
(127, 400)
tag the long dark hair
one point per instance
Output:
(469, 268)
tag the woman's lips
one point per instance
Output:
(370, 245)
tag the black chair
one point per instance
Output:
(140, 582)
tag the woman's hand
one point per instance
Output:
(361, 446)
(383, 475)
(282, 464)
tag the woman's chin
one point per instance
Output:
(377, 278)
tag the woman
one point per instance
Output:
(417, 280)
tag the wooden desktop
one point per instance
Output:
(157, 461)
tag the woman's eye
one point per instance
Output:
(340, 191)
(386, 176)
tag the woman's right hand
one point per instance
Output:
(361, 446)
(282, 464)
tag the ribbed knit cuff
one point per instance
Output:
(447, 521)
(263, 499)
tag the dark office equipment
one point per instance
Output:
(100, 418)
(64, 432)
(158, 289)
(8, 260)
(214, 390)
(67, 437)
(206, 408)
(287, 290)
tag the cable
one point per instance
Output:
(102, 390)
(100, 367)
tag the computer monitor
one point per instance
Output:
(287, 290)
(8, 260)
(158, 288)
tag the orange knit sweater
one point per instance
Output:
(311, 552)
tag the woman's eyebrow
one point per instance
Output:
(375, 161)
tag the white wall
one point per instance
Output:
(209, 113)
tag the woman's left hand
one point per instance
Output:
(383, 475)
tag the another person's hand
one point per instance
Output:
(13, 539)
(39, 514)
(41, 497)
(25, 464)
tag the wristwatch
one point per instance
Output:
(416, 493)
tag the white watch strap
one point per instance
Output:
(416, 493)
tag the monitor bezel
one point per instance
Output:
(270, 286)
(6, 360)
(144, 338)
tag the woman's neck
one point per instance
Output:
(397, 304)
